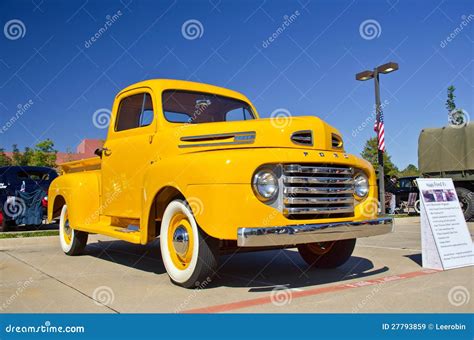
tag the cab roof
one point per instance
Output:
(160, 85)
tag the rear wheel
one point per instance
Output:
(6, 224)
(3, 224)
(466, 200)
(189, 255)
(327, 254)
(72, 241)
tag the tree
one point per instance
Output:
(370, 153)
(26, 156)
(450, 105)
(44, 154)
(4, 159)
(457, 117)
(16, 156)
(21, 158)
(410, 170)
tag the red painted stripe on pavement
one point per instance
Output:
(309, 292)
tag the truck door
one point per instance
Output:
(127, 153)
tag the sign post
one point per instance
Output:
(445, 239)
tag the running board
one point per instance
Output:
(125, 234)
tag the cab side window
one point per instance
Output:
(134, 111)
(240, 113)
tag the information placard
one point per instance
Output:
(445, 239)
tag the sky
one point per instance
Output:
(59, 77)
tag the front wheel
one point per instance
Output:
(327, 254)
(72, 241)
(417, 207)
(189, 255)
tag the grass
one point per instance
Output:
(29, 234)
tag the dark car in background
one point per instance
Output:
(403, 189)
(406, 185)
(15, 181)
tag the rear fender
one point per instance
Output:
(81, 193)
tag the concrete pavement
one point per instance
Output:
(384, 275)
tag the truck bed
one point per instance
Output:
(87, 164)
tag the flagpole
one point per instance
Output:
(379, 152)
(363, 76)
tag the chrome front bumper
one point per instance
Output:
(309, 233)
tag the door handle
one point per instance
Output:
(106, 151)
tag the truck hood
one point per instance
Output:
(287, 132)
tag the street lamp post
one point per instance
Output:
(379, 152)
(366, 75)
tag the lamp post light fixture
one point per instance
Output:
(366, 75)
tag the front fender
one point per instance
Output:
(217, 186)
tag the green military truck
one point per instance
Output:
(448, 152)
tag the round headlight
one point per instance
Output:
(265, 185)
(361, 185)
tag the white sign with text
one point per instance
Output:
(445, 239)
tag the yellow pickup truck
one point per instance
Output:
(195, 166)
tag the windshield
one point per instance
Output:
(195, 107)
(406, 183)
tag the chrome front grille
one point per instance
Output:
(317, 191)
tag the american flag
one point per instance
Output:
(380, 130)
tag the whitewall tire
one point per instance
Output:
(189, 255)
(72, 241)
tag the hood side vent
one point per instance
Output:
(304, 137)
(231, 138)
(336, 142)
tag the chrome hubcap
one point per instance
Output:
(67, 228)
(181, 241)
